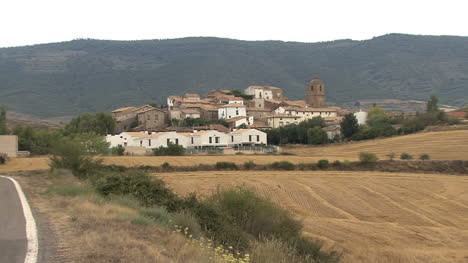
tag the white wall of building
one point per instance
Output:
(228, 112)
(248, 136)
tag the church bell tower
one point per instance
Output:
(316, 93)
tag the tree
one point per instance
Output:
(99, 123)
(432, 105)
(316, 135)
(349, 125)
(367, 157)
(3, 128)
(424, 157)
(379, 123)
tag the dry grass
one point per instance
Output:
(370, 216)
(88, 229)
(447, 145)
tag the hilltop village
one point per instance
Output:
(230, 118)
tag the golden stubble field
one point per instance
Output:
(370, 216)
(446, 145)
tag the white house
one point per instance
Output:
(238, 121)
(231, 110)
(248, 137)
(209, 138)
(306, 112)
(259, 92)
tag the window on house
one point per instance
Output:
(216, 139)
(232, 138)
(177, 141)
(125, 144)
(149, 142)
(192, 140)
(250, 138)
(237, 112)
(141, 143)
(258, 138)
(211, 140)
(168, 141)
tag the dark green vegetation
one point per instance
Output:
(367, 157)
(96, 75)
(306, 132)
(87, 129)
(171, 150)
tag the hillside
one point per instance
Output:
(62, 79)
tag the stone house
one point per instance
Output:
(151, 119)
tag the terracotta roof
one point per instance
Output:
(192, 95)
(309, 109)
(231, 98)
(259, 124)
(190, 111)
(258, 109)
(125, 109)
(232, 105)
(282, 116)
(236, 118)
(264, 87)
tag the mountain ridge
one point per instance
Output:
(66, 78)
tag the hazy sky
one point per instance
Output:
(25, 22)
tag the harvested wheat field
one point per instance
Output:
(445, 145)
(370, 216)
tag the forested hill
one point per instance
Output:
(92, 75)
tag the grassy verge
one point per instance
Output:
(134, 217)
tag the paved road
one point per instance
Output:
(13, 240)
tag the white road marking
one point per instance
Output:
(31, 230)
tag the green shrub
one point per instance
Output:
(217, 224)
(424, 157)
(166, 166)
(158, 214)
(323, 164)
(312, 251)
(118, 150)
(249, 165)
(239, 153)
(3, 158)
(336, 164)
(70, 154)
(142, 220)
(346, 163)
(256, 215)
(283, 165)
(406, 156)
(273, 250)
(367, 157)
(171, 150)
(150, 191)
(226, 166)
(125, 200)
(187, 223)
